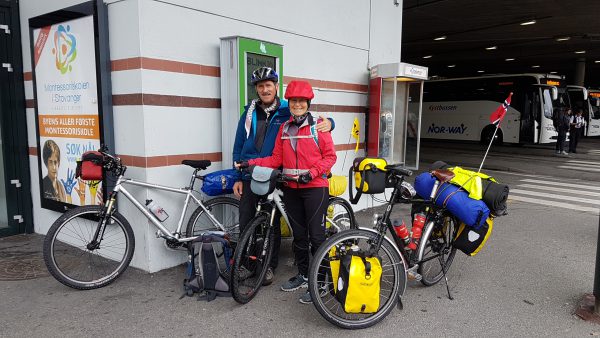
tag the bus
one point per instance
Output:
(459, 109)
(589, 101)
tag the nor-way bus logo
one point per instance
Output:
(433, 129)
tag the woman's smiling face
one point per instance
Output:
(298, 106)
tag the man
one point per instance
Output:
(577, 123)
(255, 137)
(561, 124)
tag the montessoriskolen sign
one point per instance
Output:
(68, 113)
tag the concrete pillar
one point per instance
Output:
(579, 72)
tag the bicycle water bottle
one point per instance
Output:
(157, 210)
(417, 229)
(401, 230)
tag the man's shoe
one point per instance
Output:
(558, 152)
(306, 298)
(295, 283)
(565, 153)
(268, 277)
(244, 273)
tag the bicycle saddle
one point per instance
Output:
(443, 175)
(198, 164)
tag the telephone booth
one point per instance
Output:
(394, 120)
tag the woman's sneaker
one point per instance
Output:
(295, 283)
(306, 298)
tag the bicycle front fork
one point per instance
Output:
(104, 216)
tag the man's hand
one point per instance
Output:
(237, 189)
(304, 178)
(325, 125)
(241, 165)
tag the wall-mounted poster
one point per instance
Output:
(67, 108)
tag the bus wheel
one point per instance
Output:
(488, 133)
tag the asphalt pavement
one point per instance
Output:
(527, 281)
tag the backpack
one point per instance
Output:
(209, 261)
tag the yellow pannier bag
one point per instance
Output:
(356, 281)
(471, 241)
(370, 176)
(337, 185)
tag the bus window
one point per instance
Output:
(547, 103)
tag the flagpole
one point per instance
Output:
(498, 115)
(489, 146)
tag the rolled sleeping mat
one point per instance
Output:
(495, 196)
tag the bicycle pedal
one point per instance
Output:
(412, 275)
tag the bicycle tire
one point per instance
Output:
(225, 210)
(70, 234)
(432, 243)
(340, 212)
(394, 273)
(251, 259)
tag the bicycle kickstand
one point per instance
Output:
(445, 277)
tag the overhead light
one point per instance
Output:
(452, 66)
(440, 38)
(563, 38)
(536, 66)
(597, 61)
(509, 59)
(427, 57)
(527, 23)
(553, 72)
(491, 48)
(580, 52)
(481, 71)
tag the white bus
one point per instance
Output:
(459, 109)
(591, 111)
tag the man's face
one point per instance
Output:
(53, 163)
(267, 90)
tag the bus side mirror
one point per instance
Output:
(598, 102)
(585, 94)
(554, 93)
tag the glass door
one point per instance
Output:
(10, 223)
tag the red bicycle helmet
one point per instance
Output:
(299, 89)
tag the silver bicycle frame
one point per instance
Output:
(119, 188)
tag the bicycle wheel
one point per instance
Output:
(226, 212)
(251, 259)
(340, 216)
(393, 280)
(436, 250)
(73, 263)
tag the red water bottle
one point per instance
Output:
(401, 230)
(417, 229)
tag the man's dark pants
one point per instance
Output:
(248, 204)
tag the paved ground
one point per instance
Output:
(526, 282)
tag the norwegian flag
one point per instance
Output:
(499, 113)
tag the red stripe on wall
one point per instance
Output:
(164, 65)
(139, 99)
(33, 151)
(30, 103)
(27, 76)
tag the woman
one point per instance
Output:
(51, 186)
(307, 155)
